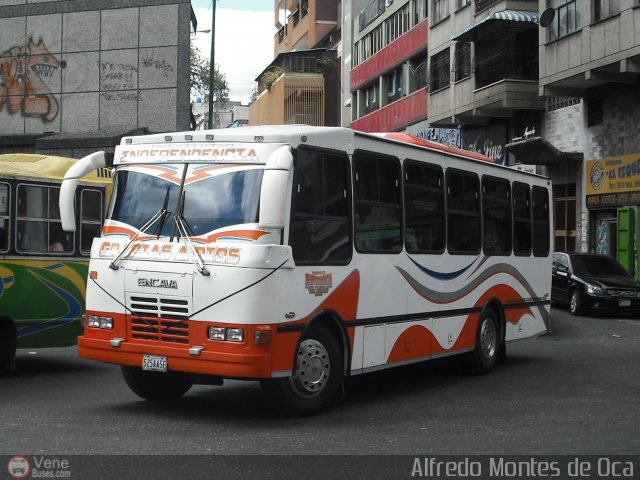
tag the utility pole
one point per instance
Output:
(212, 65)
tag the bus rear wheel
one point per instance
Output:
(316, 378)
(156, 386)
(487, 348)
(8, 343)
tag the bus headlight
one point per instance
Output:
(216, 333)
(235, 334)
(228, 334)
(103, 323)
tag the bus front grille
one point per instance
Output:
(159, 330)
(159, 319)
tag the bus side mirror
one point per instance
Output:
(68, 188)
(274, 193)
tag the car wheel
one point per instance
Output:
(156, 386)
(575, 303)
(487, 348)
(316, 378)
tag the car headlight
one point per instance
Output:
(593, 290)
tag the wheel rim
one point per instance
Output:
(488, 338)
(313, 367)
(574, 302)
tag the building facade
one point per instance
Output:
(92, 68)
(302, 84)
(388, 79)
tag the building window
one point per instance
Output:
(371, 98)
(440, 74)
(556, 103)
(395, 82)
(420, 11)
(594, 113)
(463, 60)
(564, 206)
(440, 10)
(567, 18)
(418, 73)
(462, 3)
(605, 8)
(398, 24)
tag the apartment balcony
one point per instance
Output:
(477, 106)
(404, 47)
(294, 98)
(395, 116)
(308, 22)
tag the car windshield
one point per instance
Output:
(214, 196)
(598, 265)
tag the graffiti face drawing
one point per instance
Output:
(22, 87)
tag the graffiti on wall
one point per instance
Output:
(23, 71)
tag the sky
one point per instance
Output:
(244, 40)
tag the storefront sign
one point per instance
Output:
(613, 181)
(489, 141)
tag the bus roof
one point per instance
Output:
(329, 137)
(44, 167)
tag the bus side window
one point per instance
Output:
(540, 203)
(424, 208)
(320, 227)
(378, 208)
(521, 219)
(463, 213)
(496, 216)
(90, 218)
(5, 209)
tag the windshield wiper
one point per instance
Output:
(160, 213)
(178, 220)
(165, 213)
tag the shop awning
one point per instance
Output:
(523, 16)
(538, 151)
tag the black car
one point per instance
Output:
(588, 281)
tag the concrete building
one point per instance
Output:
(388, 79)
(302, 84)
(80, 74)
(558, 91)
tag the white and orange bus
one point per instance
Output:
(299, 255)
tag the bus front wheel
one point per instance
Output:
(156, 386)
(316, 378)
(8, 343)
(487, 349)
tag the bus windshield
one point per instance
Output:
(214, 197)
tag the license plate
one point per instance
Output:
(625, 302)
(154, 363)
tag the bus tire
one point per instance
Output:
(156, 386)
(317, 376)
(8, 344)
(487, 348)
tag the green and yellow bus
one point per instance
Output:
(43, 269)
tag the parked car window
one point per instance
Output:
(597, 265)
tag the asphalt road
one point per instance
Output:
(574, 391)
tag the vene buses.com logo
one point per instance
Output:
(597, 176)
(18, 467)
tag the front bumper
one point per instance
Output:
(612, 304)
(227, 364)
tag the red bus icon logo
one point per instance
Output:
(18, 467)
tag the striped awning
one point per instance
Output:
(504, 15)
